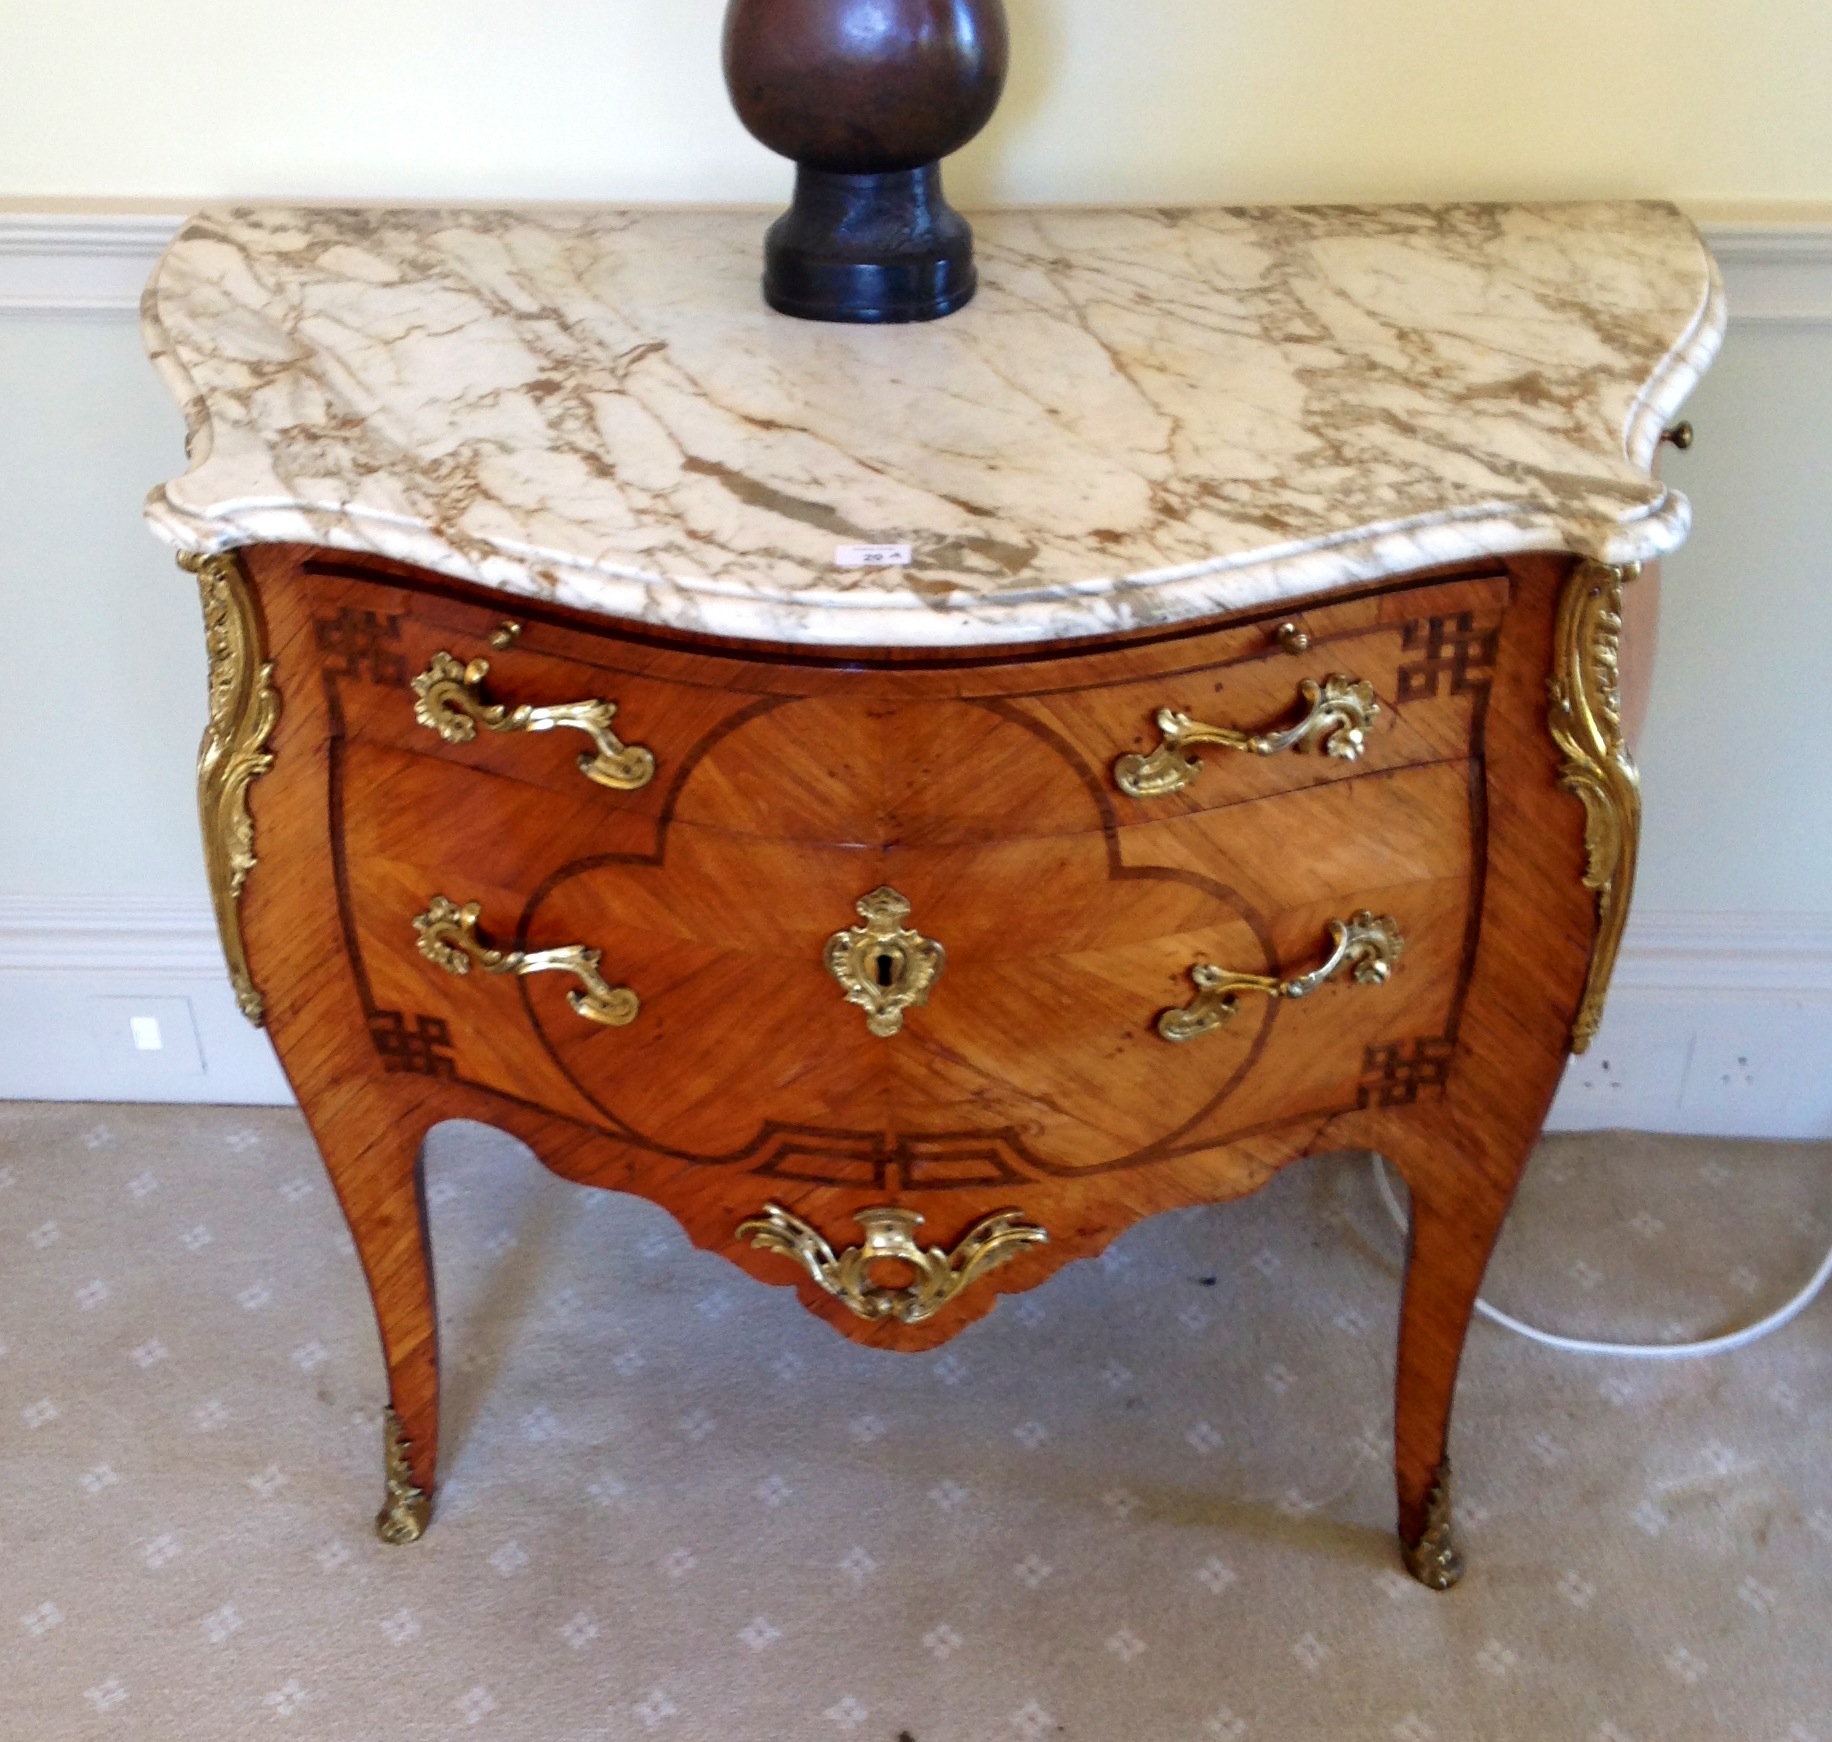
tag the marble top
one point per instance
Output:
(1146, 416)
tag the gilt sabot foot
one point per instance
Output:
(406, 1508)
(1434, 1560)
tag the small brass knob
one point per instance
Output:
(1680, 435)
(505, 637)
(1292, 638)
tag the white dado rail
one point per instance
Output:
(98, 263)
(1708, 1023)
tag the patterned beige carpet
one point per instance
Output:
(1149, 1500)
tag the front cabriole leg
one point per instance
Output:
(1462, 1180)
(371, 1142)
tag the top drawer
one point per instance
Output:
(1030, 746)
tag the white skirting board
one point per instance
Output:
(1719, 1024)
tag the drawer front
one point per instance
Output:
(1382, 682)
(579, 717)
(1038, 1051)
(405, 833)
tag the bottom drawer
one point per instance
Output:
(1047, 1040)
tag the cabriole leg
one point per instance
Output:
(1459, 1200)
(371, 1144)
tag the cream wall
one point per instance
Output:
(1737, 782)
(105, 678)
(1700, 100)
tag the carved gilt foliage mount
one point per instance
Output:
(1586, 724)
(244, 707)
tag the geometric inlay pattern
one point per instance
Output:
(1453, 647)
(421, 1051)
(1396, 1075)
(353, 643)
(887, 1161)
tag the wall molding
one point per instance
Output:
(170, 935)
(1717, 1025)
(71, 265)
(1775, 274)
(97, 262)
(1743, 954)
(74, 969)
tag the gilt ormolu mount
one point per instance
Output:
(867, 96)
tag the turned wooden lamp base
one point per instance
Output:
(866, 97)
(884, 248)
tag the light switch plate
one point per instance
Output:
(147, 1036)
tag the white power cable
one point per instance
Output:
(1638, 1351)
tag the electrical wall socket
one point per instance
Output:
(1725, 1070)
(1621, 1078)
(147, 1036)
(1709, 1063)
(1758, 1069)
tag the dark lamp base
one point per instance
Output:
(869, 249)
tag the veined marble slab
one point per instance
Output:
(1145, 417)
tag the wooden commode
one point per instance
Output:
(913, 802)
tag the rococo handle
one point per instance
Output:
(890, 1233)
(449, 699)
(1337, 713)
(1365, 945)
(448, 939)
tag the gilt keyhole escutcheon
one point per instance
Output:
(884, 966)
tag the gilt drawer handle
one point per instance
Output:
(884, 966)
(1337, 713)
(450, 700)
(890, 1232)
(1366, 946)
(448, 938)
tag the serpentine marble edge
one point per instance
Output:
(1146, 416)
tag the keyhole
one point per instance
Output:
(884, 966)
